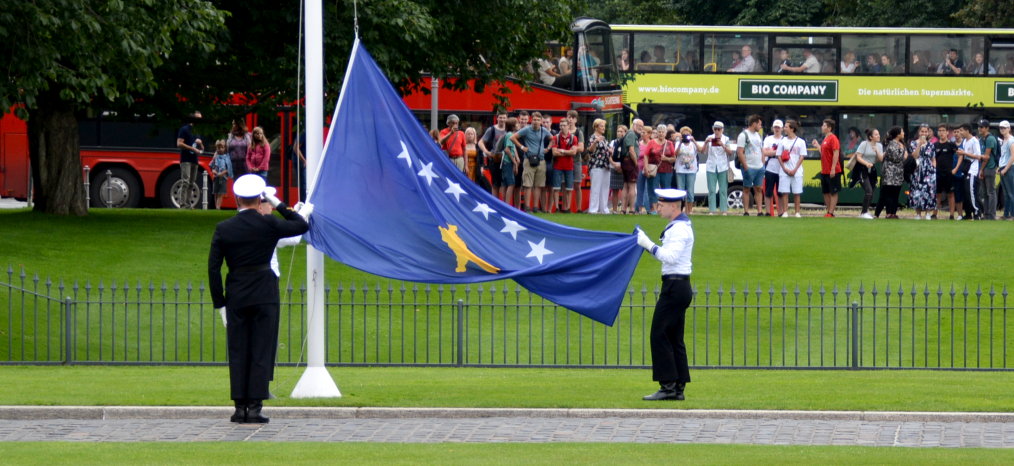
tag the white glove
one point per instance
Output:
(270, 197)
(221, 311)
(643, 240)
(304, 209)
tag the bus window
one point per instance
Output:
(1001, 55)
(948, 55)
(877, 54)
(654, 51)
(621, 46)
(934, 119)
(595, 67)
(735, 53)
(805, 54)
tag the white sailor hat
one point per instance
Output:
(249, 185)
(718, 124)
(670, 195)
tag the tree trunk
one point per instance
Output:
(55, 152)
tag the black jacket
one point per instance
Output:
(246, 242)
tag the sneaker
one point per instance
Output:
(930, 217)
(959, 218)
(798, 216)
(784, 215)
(746, 214)
(866, 215)
(828, 215)
(933, 217)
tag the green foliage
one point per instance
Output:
(892, 13)
(781, 13)
(89, 53)
(985, 14)
(633, 11)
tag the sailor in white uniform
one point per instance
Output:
(668, 352)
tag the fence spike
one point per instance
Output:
(352, 287)
(925, 290)
(965, 292)
(809, 289)
(102, 286)
(953, 292)
(992, 291)
(1004, 291)
(35, 279)
(914, 290)
(978, 291)
(390, 287)
(23, 275)
(720, 290)
(707, 289)
(10, 271)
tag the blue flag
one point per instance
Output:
(387, 201)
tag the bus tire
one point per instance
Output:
(118, 189)
(169, 194)
(736, 197)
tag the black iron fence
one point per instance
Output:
(500, 324)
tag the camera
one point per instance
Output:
(686, 138)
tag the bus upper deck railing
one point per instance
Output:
(761, 326)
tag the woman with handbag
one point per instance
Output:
(598, 162)
(866, 155)
(616, 170)
(665, 167)
(717, 147)
(894, 172)
(653, 157)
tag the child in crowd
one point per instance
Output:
(221, 169)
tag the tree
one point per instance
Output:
(633, 11)
(892, 13)
(985, 14)
(66, 57)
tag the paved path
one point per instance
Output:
(430, 425)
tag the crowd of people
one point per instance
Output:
(525, 162)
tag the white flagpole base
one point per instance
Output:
(316, 382)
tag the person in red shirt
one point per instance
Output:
(566, 147)
(830, 166)
(452, 141)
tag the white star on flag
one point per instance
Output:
(455, 189)
(539, 250)
(404, 155)
(483, 209)
(512, 227)
(427, 172)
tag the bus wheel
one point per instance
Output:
(736, 197)
(172, 192)
(120, 188)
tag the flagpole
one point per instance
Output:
(315, 382)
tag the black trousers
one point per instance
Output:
(252, 338)
(972, 205)
(668, 352)
(888, 200)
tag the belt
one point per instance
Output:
(454, 156)
(250, 269)
(675, 276)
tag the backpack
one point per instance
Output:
(498, 148)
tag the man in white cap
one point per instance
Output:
(669, 365)
(251, 299)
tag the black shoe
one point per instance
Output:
(240, 414)
(667, 391)
(253, 414)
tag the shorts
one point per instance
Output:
(793, 184)
(533, 176)
(770, 182)
(578, 171)
(506, 175)
(494, 173)
(629, 170)
(564, 178)
(945, 182)
(220, 185)
(830, 184)
(753, 177)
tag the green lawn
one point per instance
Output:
(171, 246)
(465, 453)
(794, 258)
(522, 388)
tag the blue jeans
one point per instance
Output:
(718, 185)
(646, 196)
(686, 181)
(665, 180)
(1008, 193)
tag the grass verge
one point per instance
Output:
(522, 388)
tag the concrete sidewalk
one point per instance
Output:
(128, 423)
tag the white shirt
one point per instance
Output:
(290, 241)
(971, 145)
(745, 66)
(797, 150)
(686, 157)
(811, 65)
(750, 141)
(772, 142)
(544, 76)
(677, 247)
(718, 160)
(1005, 148)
